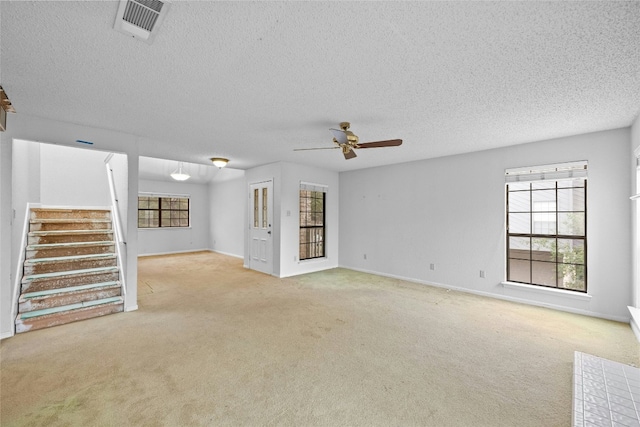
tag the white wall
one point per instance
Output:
(292, 175)
(635, 210)
(73, 177)
(171, 240)
(228, 205)
(450, 212)
(6, 328)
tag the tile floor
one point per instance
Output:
(605, 393)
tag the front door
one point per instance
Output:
(260, 219)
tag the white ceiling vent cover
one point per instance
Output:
(141, 18)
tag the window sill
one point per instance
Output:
(163, 228)
(311, 260)
(548, 291)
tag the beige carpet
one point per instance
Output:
(215, 344)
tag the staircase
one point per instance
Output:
(70, 270)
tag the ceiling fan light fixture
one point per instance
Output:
(179, 175)
(220, 162)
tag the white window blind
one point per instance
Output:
(558, 171)
(309, 186)
(163, 195)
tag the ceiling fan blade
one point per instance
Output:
(349, 154)
(388, 143)
(320, 148)
(340, 136)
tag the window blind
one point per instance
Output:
(163, 195)
(553, 172)
(309, 186)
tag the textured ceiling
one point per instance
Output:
(251, 81)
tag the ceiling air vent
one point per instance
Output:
(141, 18)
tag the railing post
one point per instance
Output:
(117, 223)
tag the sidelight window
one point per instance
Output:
(312, 221)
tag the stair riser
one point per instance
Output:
(69, 238)
(46, 284)
(51, 301)
(66, 317)
(52, 267)
(48, 226)
(70, 251)
(69, 214)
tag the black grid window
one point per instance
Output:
(546, 233)
(160, 212)
(312, 224)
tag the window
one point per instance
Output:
(163, 211)
(312, 221)
(546, 226)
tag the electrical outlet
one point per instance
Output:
(482, 274)
(432, 266)
(365, 256)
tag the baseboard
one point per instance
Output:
(6, 335)
(635, 321)
(622, 319)
(175, 252)
(227, 253)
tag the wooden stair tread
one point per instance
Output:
(70, 258)
(81, 242)
(27, 279)
(37, 246)
(69, 211)
(54, 310)
(65, 220)
(28, 295)
(57, 232)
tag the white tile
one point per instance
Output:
(596, 410)
(596, 419)
(627, 421)
(623, 410)
(588, 384)
(619, 392)
(622, 385)
(621, 401)
(607, 392)
(596, 392)
(589, 398)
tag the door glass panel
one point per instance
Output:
(256, 212)
(264, 208)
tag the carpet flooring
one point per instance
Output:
(216, 344)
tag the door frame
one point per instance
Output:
(264, 266)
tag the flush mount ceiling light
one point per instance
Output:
(178, 175)
(219, 161)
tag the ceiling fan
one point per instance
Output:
(348, 142)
